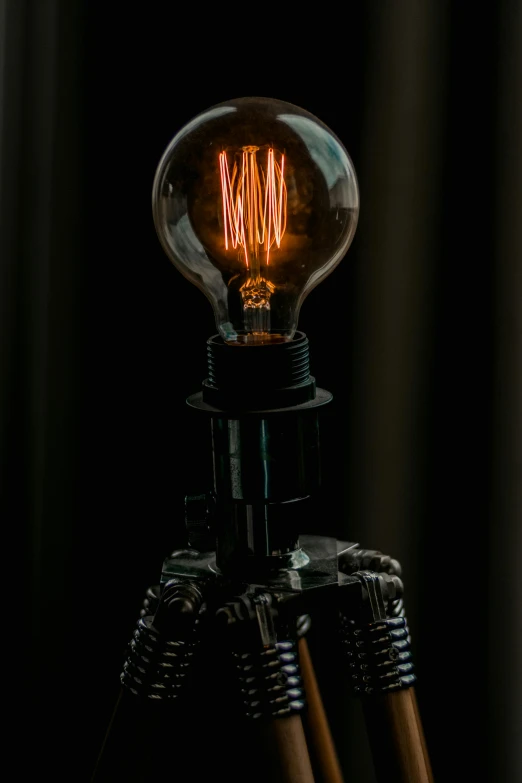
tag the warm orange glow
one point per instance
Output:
(254, 203)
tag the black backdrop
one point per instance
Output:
(417, 333)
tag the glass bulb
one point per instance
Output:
(255, 201)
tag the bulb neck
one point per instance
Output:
(258, 377)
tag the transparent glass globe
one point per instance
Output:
(255, 201)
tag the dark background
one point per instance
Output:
(417, 333)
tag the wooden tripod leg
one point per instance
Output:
(396, 737)
(421, 730)
(288, 737)
(320, 737)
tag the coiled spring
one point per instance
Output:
(270, 681)
(156, 667)
(379, 655)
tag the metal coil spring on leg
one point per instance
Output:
(379, 655)
(270, 681)
(157, 666)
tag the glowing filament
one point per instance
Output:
(254, 203)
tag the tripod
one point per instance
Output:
(240, 612)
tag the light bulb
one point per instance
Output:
(255, 201)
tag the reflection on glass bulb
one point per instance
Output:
(255, 201)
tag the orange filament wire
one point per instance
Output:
(254, 202)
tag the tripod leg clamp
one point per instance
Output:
(377, 646)
(379, 655)
(270, 681)
(266, 668)
(163, 647)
